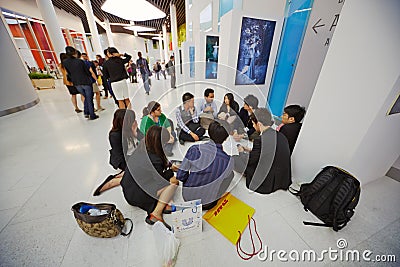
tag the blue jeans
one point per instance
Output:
(87, 92)
(145, 78)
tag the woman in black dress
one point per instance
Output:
(149, 182)
(124, 137)
(229, 110)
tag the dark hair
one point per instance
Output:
(263, 116)
(171, 57)
(295, 111)
(112, 50)
(63, 57)
(156, 137)
(218, 131)
(187, 96)
(124, 117)
(151, 107)
(251, 101)
(230, 98)
(70, 51)
(84, 54)
(98, 55)
(78, 54)
(208, 91)
(105, 51)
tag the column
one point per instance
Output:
(346, 123)
(16, 90)
(53, 27)
(174, 31)
(93, 28)
(160, 42)
(165, 39)
(109, 33)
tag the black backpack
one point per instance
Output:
(331, 196)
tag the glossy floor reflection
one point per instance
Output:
(52, 157)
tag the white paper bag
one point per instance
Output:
(187, 219)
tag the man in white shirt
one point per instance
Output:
(207, 108)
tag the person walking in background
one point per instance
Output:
(80, 76)
(163, 70)
(71, 88)
(114, 69)
(96, 90)
(144, 69)
(171, 71)
(156, 70)
(132, 72)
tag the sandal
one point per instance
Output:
(97, 191)
(151, 219)
(169, 209)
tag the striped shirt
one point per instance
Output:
(203, 169)
(183, 117)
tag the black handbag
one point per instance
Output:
(108, 225)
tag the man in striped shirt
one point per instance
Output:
(188, 120)
(206, 170)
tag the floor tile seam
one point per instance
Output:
(67, 249)
(288, 223)
(32, 220)
(369, 237)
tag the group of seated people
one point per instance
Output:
(149, 180)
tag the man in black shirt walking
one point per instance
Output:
(79, 75)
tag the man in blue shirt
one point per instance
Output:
(206, 170)
(144, 69)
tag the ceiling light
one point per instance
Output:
(139, 28)
(138, 10)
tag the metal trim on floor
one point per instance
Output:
(19, 108)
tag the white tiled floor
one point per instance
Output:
(52, 157)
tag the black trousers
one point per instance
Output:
(195, 128)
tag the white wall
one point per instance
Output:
(313, 51)
(346, 123)
(16, 89)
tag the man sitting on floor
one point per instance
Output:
(188, 120)
(206, 170)
(207, 108)
(267, 168)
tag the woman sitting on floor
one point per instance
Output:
(229, 111)
(149, 182)
(152, 115)
(123, 140)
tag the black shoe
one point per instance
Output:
(182, 142)
(87, 116)
(97, 191)
(95, 117)
(151, 220)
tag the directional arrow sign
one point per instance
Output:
(316, 26)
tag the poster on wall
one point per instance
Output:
(191, 60)
(395, 109)
(212, 46)
(254, 50)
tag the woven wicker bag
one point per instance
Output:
(104, 226)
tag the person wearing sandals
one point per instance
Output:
(71, 88)
(149, 182)
(123, 141)
(152, 115)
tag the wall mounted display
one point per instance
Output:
(212, 46)
(395, 107)
(191, 62)
(254, 50)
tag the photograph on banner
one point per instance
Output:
(254, 49)
(212, 46)
(191, 60)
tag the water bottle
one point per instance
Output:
(85, 208)
(97, 212)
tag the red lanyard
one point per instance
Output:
(252, 254)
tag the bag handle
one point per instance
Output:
(238, 247)
(130, 230)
